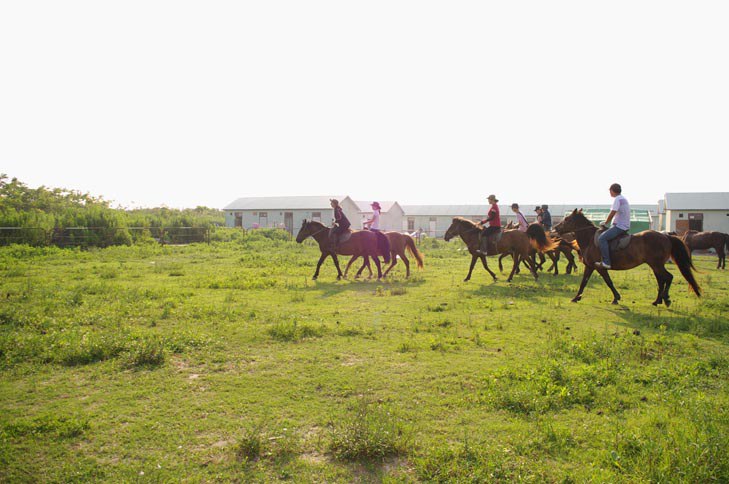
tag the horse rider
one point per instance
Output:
(520, 218)
(546, 218)
(374, 223)
(340, 226)
(620, 217)
(493, 219)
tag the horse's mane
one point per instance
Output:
(465, 221)
(581, 217)
(314, 222)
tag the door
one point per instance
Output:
(432, 227)
(238, 219)
(263, 219)
(682, 226)
(289, 222)
(696, 222)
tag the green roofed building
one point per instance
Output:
(640, 220)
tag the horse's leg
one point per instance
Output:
(324, 255)
(606, 276)
(406, 261)
(366, 264)
(379, 267)
(555, 262)
(542, 260)
(514, 267)
(570, 262)
(470, 269)
(486, 266)
(661, 284)
(501, 267)
(349, 264)
(336, 264)
(585, 278)
(668, 279)
(393, 259)
(532, 268)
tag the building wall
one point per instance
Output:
(714, 220)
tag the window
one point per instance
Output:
(263, 219)
(411, 224)
(680, 215)
(316, 216)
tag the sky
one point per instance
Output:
(182, 103)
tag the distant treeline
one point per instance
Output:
(45, 215)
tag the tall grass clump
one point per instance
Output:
(293, 331)
(369, 431)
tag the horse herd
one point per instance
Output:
(574, 233)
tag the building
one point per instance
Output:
(391, 215)
(286, 212)
(703, 212)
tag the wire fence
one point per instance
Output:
(102, 236)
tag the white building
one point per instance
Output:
(704, 212)
(286, 212)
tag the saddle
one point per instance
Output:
(619, 243)
(492, 245)
(343, 237)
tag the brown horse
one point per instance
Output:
(362, 242)
(708, 240)
(647, 247)
(565, 248)
(398, 244)
(512, 242)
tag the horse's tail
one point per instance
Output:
(682, 258)
(539, 239)
(410, 244)
(383, 246)
(726, 241)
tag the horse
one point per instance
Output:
(564, 247)
(360, 243)
(647, 247)
(512, 242)
(708, 240)
(398, 244)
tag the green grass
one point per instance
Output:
(226, 362)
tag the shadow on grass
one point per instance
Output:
(332, 288)
(714, 327)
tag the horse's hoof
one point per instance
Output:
(655, 303)
(576, 299)
(615, 302)
(467, 279)
(667, 302)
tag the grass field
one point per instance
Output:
(225, 362)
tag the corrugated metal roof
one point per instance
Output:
(447, 210)
(282, 203)
(697, 201)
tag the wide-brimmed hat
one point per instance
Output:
(492, 197)
(375, 205)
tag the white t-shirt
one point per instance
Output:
(622, 212)
(375, 220)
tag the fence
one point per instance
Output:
(101, 236)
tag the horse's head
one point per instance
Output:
(456, 228)
(304, 232)
(572, 222)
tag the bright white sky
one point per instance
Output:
(199, 103)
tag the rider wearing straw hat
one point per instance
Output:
(493, 219)
(374, 223)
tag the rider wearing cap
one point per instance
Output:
(520, 218)
(546, 218)
(493, 219)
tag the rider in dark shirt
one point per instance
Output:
(493, 218)
(341, 223)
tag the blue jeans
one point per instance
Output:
(610, 234)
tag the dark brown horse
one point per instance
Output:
(708, 240)
(647, 247)
(512, 242)
(361, 243)
(398, 244)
